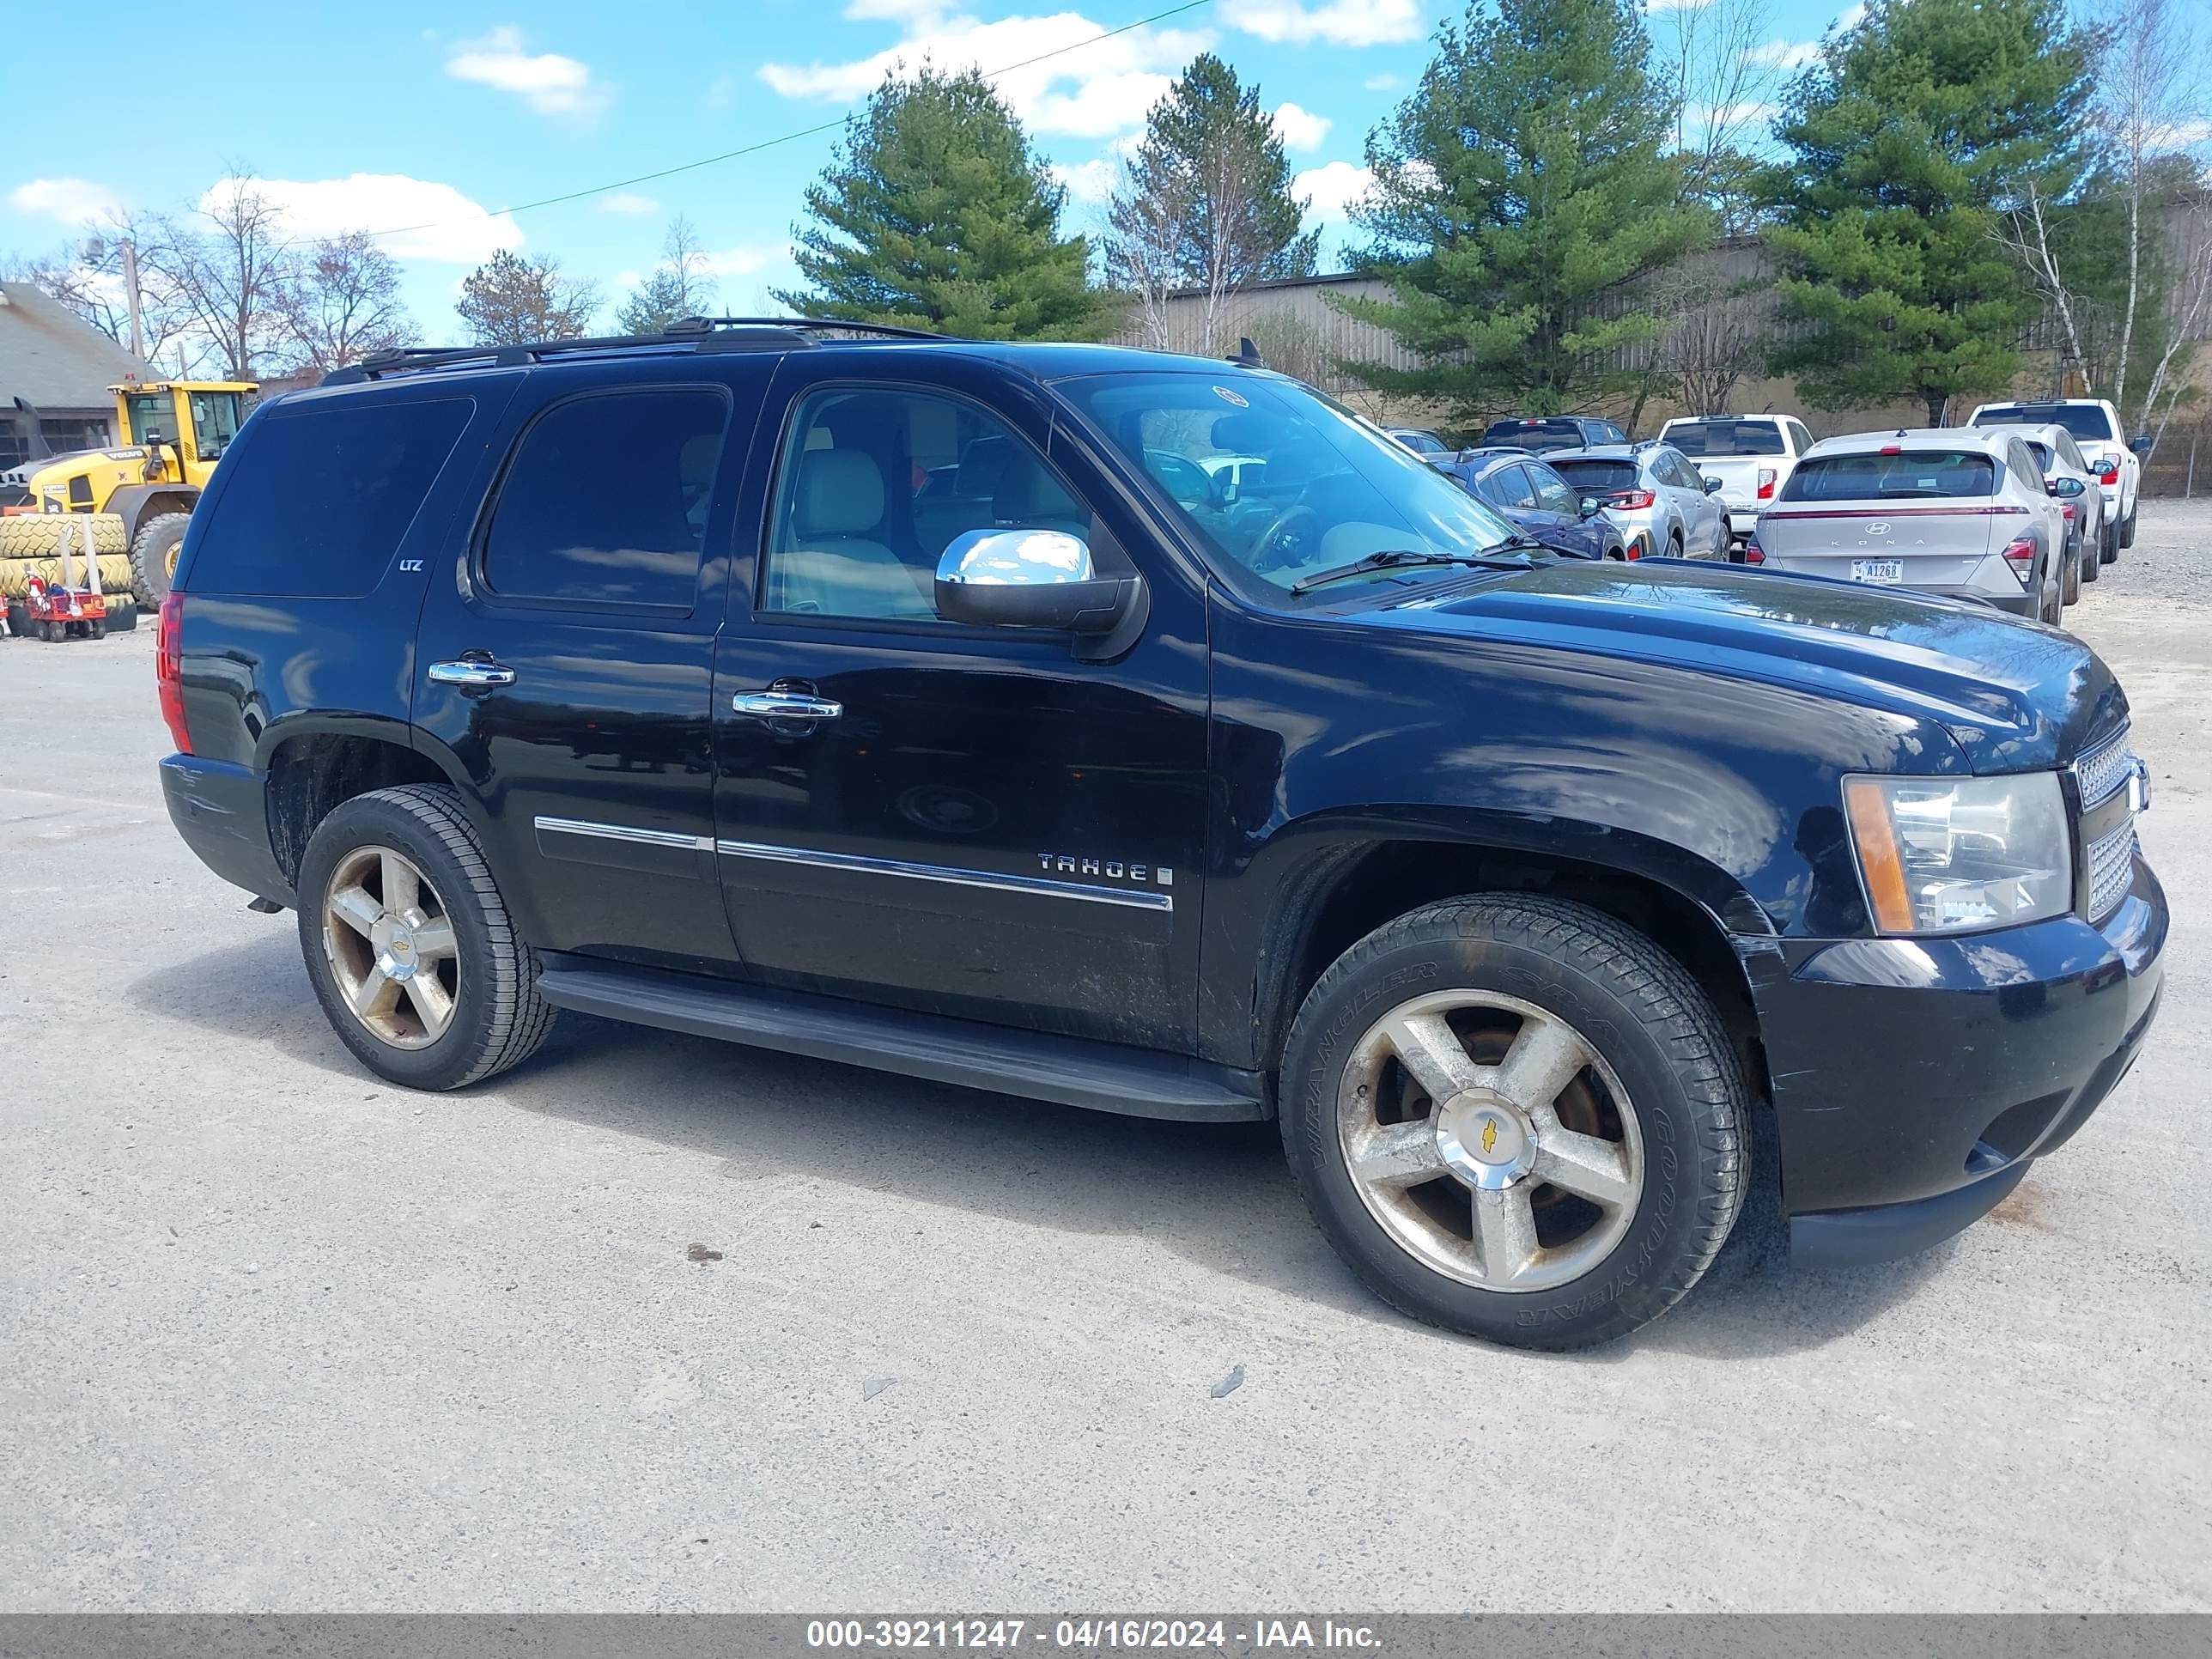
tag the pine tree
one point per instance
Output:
(937, 213)
(512, 300)
(1908, 141)
(1207, 203)
(1521, 193)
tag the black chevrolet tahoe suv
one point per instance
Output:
(935, 706)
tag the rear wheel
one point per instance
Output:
(1674, 546)
(154, 556)
(2069, 589)
(2127, 529)
(2093, 561)
(2053, 601)
(1514, 1116)
(409, 947)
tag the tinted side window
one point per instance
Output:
(318, 499)
(1511, 485)
(1552, 492)
(605, 500)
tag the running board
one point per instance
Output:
(1097, 1075)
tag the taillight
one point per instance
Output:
(1633, 501)
(1753, 553)
(2020, 554)
(1633, 551)
(1766, 477)
(2068, 511)
(168, 670)
(2108, 471)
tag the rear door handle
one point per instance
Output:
(777, 705)
(470, 672)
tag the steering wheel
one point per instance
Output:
(1265, 555)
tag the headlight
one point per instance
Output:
(1943, 855)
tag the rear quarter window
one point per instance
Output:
(1598, 477)
(1915, 475)
(317, 499)
(1720, 440)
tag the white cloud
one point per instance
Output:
(1382, 83)
(1785, 54)
(1329, 191)
(1104, 89)
(1300, 129)
(745, 260)
(1340, 23)
(1088, 181)
(1851, 17)
(629, 202)
(76, 203)
(455, 229)
(2184, 135)
(547, 83)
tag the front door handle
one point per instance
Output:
(774, 704)
(470, 672)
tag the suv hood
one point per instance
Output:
(2016, 696)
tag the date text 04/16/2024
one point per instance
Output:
(1082, 1635)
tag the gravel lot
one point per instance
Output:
(279, 1337)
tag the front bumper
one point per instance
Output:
(221, 808)
(1961, 1060)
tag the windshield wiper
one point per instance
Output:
(1390, 558)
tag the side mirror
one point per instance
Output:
(2065, 488)
(1712, 485)
(1029, 579)
(2140, 443)
(1589, 506)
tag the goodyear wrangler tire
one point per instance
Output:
(413, 956)
(1515, 1117)
(154, 556)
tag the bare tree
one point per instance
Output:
(234, 278)
(344, 303)
(1716, 332)
(2153, 78)
(2192, 317)
(1721, 73)
(680, 285)
(2025, 232)
(1141, 252)
(93, 280)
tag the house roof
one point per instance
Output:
(53, 359)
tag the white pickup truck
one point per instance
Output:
(1752, 455)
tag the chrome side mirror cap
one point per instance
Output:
(1014, 578)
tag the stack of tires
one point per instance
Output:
(31, 545)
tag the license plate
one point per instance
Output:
(1886, 572)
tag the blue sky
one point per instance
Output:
(401, 114)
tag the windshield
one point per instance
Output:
(1331, 488)
(2082, 420)
(1718, 440)
(1903, 476)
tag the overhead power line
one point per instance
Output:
(785, 139)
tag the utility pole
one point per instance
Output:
(131, 289)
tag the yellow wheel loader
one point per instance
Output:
(172, 435)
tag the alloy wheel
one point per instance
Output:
(392, 947)
(1490, 1140)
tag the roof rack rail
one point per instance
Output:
(693, 333)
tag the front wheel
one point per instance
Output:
(2127, 529)
(417, 965)
(2070, 591)
(1515, 1117)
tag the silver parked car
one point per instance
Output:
(1957, 511)
(2088, 519)
(1662, 506)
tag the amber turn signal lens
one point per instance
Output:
(1875, 838)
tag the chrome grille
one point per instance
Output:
(2103, 772)
(2112, 869)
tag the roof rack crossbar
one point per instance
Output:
(696, 333)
